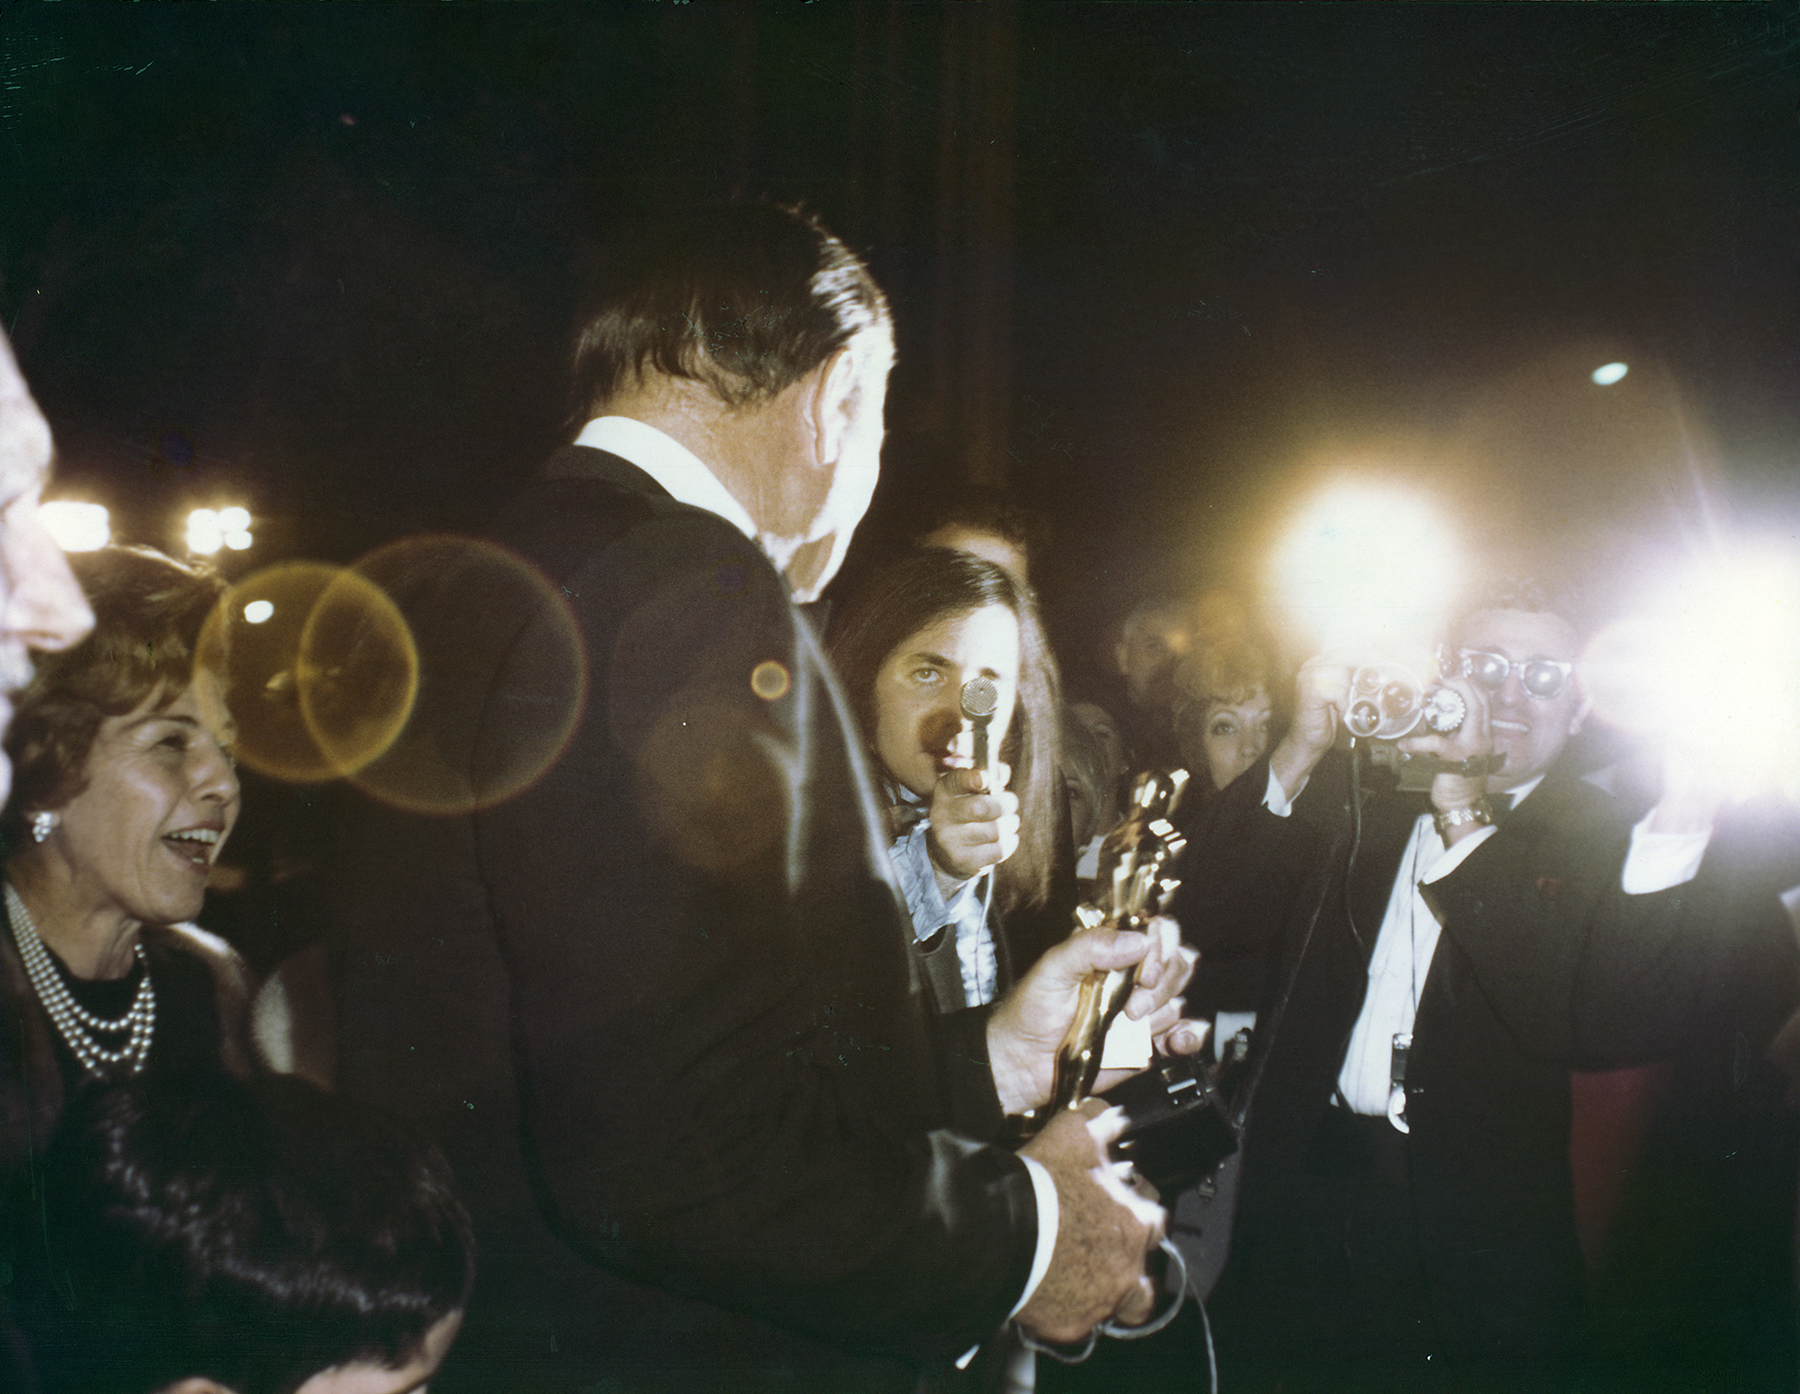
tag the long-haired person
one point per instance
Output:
(970, 845)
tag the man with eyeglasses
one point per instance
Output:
(1523, 663)
(1441, 960)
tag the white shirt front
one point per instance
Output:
(1408, 938)
(1397, 968)
(966, 913)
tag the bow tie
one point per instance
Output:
(904, 813)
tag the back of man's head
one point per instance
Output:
(744, 297)
(246, 1234)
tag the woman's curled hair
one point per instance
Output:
(149, 610)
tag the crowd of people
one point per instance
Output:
(698, 1062)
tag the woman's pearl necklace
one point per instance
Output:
(74, 1022)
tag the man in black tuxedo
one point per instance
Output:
(1406, 1216)
(658, 1008)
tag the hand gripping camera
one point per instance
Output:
(1389, 701)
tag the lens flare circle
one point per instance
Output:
(769, 680)
(359, 672)
(320, 670)
(503, 674)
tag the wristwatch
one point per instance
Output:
(1447, 820)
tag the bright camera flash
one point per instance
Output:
(203, 532)
(76, 526)
(1368, 564)
(1609, 373)
(210, 529)
(1713, 670)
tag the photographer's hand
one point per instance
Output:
(1472, 741)
(974, 824)
(1319, 691)
(1693, 792)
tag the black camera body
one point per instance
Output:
(1177, 1130)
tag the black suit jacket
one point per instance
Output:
(1543, 963)
(658, 1007)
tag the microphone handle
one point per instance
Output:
(981, 742)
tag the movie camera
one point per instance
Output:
(1389, 700)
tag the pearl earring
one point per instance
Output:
(41, 824)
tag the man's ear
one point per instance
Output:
(830, 400)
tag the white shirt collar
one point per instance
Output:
(1520, 794)
(672, 465)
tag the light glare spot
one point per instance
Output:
(204, 535)
(1368, 564)
(1712, 670)
(76, 527)
(258, 611)
(1609, 373)
(234, 519)
(769, 680)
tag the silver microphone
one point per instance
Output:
(980, 700)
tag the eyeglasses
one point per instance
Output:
(1543, 678)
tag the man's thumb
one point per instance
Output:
(1101, 949)
(972, 780)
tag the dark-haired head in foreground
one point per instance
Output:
(258, 1237)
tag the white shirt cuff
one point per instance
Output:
(1276, 800)
(1658, 861)
(1049, 1216)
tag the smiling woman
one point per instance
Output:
(123, 794)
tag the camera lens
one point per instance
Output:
(1363, 719)
(1445, 711)
(1398, 699)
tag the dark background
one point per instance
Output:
(1151, 263)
